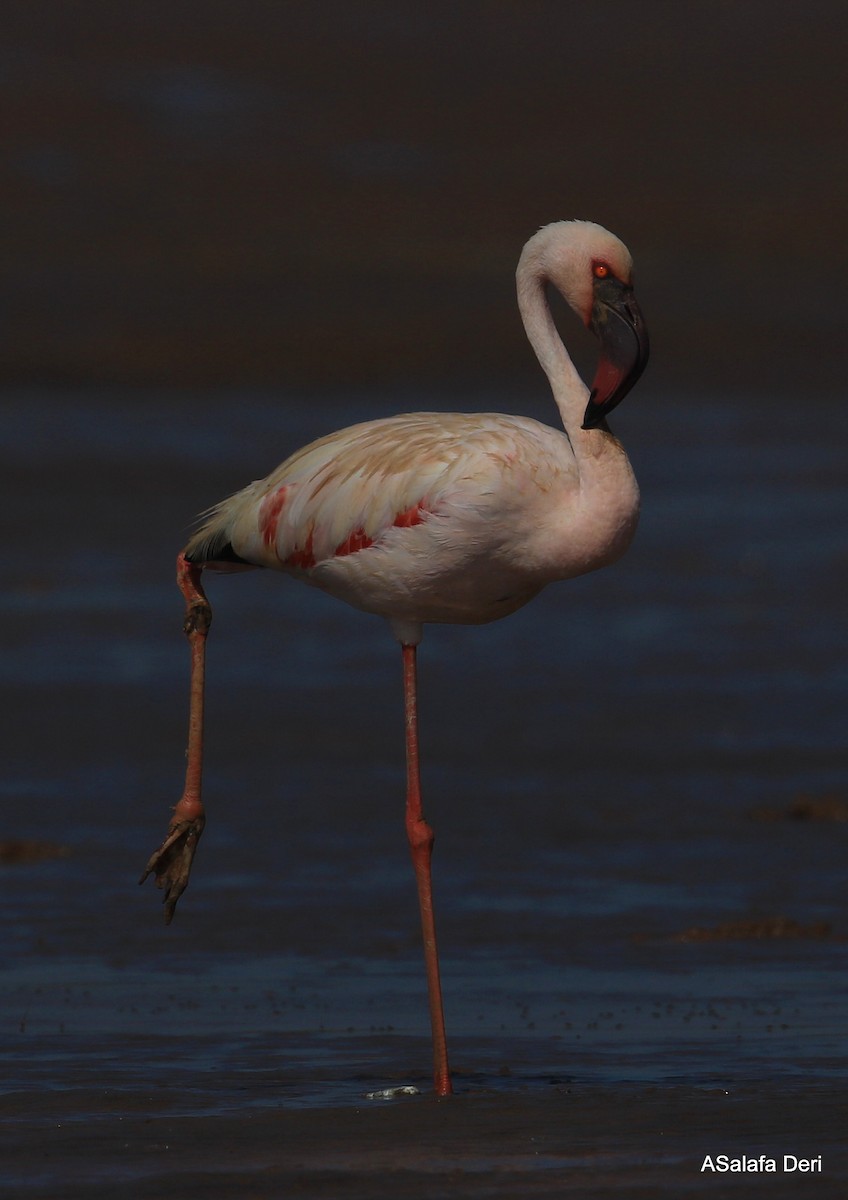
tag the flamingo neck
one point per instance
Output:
(569, 391)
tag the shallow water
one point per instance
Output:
(606, 770)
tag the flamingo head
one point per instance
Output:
(594, 272)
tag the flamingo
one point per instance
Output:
(448, 517)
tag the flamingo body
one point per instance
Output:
(443, 517)
(457, 517)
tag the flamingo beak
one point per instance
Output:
(618, 324)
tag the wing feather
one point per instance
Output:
(342, 493)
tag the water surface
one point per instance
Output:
(608, 770)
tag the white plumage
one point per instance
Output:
(425, 517)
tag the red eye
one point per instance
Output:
(600, 270)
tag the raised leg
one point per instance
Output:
(171, 863)
(420, 836)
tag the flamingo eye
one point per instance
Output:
(600, 270)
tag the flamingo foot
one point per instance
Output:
(171, 863)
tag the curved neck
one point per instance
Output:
(569, 390)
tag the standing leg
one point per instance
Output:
(420, 837)
(171, 863)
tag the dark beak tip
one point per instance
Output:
(594, 413)
(592, 421)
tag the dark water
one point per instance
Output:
(613, 767)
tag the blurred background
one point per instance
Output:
(229, 228)
(335, 194)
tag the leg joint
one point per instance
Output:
(198, 618)
(420, 834)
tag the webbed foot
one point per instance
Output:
(171, 863)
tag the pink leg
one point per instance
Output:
(420, 837)
(171, 863)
